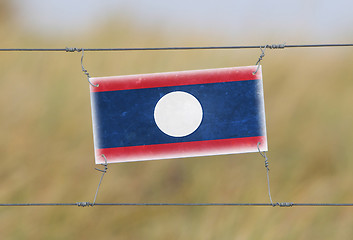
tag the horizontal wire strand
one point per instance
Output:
(86, 204)
(273, 46)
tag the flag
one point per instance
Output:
(178, 114)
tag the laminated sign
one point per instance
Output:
(178, 114)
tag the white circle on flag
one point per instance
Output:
(178, 114)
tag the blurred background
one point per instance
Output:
(46, 141)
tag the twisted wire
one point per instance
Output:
(82, 67)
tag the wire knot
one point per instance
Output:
(276, 46)
(263, 48)
(263, 154)
(267, 164)
(68, 49)
(262, 55)
(283, 204)
(84, 204)
(105, 164)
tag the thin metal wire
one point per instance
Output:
(260, 59)
(271, 46)
(105, 164)
(83, 69)
(35, 204)
(323, 204)
(263, 154)
(85, 204)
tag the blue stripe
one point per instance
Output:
(126, 118)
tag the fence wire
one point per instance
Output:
(88, 204)
(268, 46)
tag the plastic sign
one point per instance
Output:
(178, 114)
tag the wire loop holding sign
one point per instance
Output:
(83, 69)
(105, 164)
(273, 46)
(263, 154)
(260, 59)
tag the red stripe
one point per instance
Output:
(177, 150)
(175, 78)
